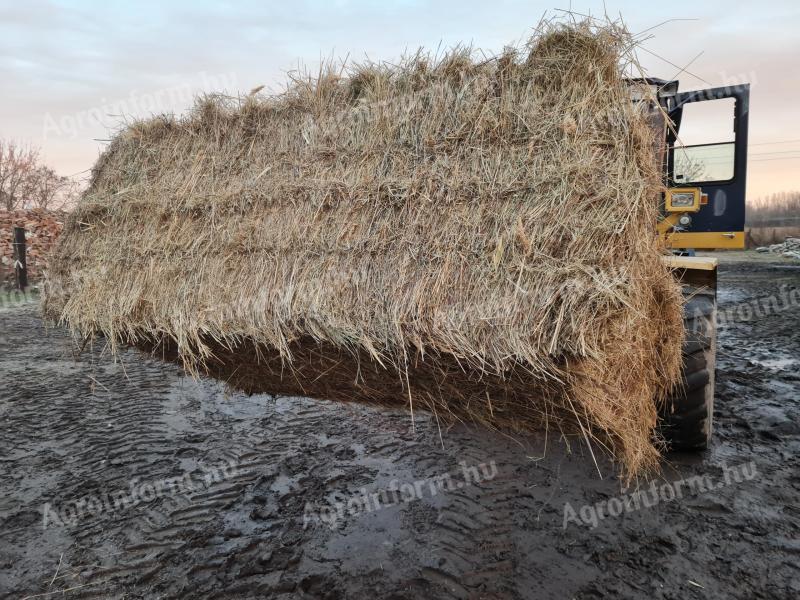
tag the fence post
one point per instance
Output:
(20, 265)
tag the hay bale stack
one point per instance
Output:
(476, 238)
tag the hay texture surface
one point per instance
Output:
(474, 237)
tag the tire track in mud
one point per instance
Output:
(231, 520)
(195, 524)
(475, 538)
(268, 463)
(111, 430)
(474, 534)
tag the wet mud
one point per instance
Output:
(124, 478)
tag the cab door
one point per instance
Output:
(708, 149)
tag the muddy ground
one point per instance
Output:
(130, 480)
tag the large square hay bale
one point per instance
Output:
(472, 237)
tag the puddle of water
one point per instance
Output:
(782, 364)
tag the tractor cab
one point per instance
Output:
(704, 161)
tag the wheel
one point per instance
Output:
(687, 416)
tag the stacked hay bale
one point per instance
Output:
(474, 238)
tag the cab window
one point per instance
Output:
(705, 147)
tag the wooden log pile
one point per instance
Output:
(42, 228)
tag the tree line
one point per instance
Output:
(775, 210)
(26, 182)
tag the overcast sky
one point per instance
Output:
(69, 68)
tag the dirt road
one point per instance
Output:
(128, 479)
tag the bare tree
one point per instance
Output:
(44, 188)
(688, 168)
(69, 194)
(17, 163)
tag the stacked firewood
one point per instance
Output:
(42, 228)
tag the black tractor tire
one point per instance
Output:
(686, 419)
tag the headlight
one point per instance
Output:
(680, 199)
(685, 220)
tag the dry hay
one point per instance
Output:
(472, 237)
